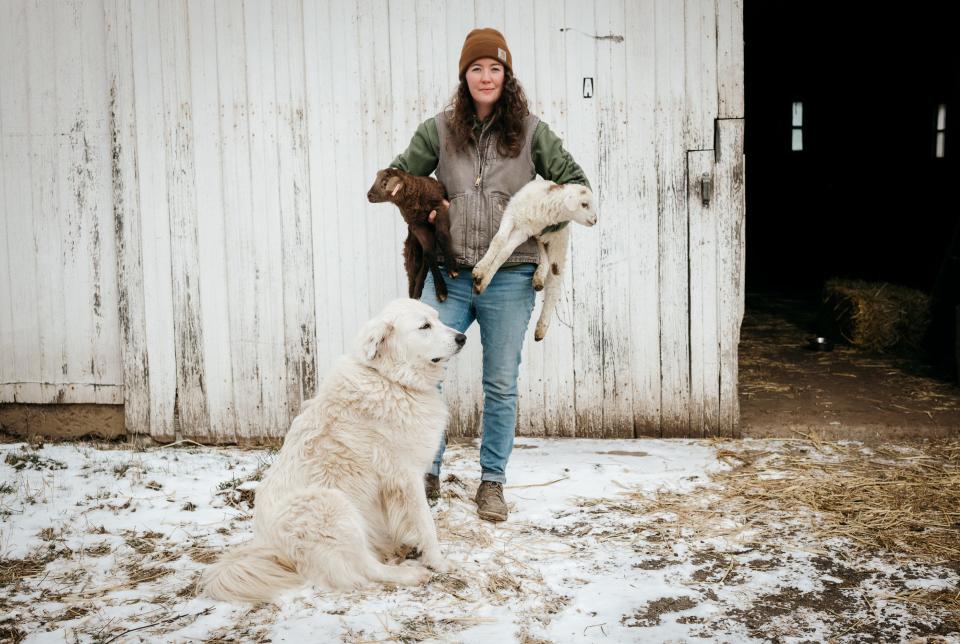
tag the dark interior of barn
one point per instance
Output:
(851, 163)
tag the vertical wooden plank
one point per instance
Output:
(701, 112)
(704, 341)
(295, 207)
(240, 254)
(324, 186)
(211, 234)
(671, 194)
(700, 74)
(614, 235)
(730, 58)
(7, 323)
(126, 218)
(55, 225)
(550, 70)
(580, 51)
(730, 174)
(518, 25)
(191, 403)
(96, 284)
(351, 193)
(65, 227)
(644, 264)
(19, 343)
(406, 117)
(265, 217)
(154, 220)
(375, 145)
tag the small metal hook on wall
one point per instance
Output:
(706, 188)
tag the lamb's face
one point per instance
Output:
(579, 200)
(386, 186)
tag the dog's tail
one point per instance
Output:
(252, 572)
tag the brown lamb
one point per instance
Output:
(416, 197)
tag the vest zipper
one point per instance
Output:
(478, 184)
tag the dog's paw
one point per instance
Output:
(439, 564)
(412, 573)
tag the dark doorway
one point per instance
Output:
(866, 197)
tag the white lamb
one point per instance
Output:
(541, 210)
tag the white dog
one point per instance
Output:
(346, 489)
(540, 209)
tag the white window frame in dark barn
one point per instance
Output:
(796, 132)
(940, 142)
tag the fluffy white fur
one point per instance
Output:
(346, 490)
(533, 208)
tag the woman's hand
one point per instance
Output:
(433, 213)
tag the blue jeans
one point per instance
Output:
(503, 313)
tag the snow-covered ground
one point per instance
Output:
(106, 544)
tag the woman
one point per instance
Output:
(484, 147)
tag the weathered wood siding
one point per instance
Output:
(59, 328)
(185, 227)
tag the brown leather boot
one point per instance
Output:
(431, 485)
(490, 503)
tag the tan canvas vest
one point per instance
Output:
(479, 184)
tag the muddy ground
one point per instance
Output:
(786, 389)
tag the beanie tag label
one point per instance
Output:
(502, 55)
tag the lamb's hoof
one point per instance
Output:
(539, 334)
(537, 286)
(441, 297)
(478, 286)
(453, 274)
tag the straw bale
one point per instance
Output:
(875, 315)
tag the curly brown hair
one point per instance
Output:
(507, 117)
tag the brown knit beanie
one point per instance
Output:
(484, 43)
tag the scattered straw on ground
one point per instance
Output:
(896, 501)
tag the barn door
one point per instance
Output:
(715, 199)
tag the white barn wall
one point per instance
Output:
(59, 332)
(186, 229)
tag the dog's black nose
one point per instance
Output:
(461, 339)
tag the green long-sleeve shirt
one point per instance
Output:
(550, 159)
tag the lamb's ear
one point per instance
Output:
(393, 185)
(373, 338)
(571, 198)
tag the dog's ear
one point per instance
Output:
(571, 198)
(373, 337)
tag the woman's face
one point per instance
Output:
(485, 80)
